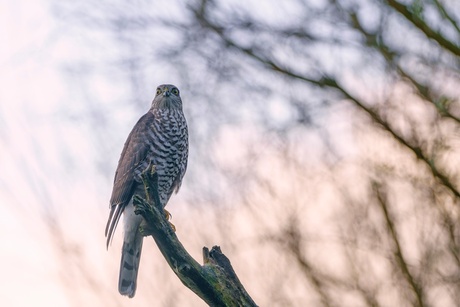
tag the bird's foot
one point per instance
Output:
(168, 216)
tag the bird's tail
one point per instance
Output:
(129, 266)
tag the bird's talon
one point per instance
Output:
(172, 226)
(168, 215)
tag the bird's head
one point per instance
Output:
(167, 96)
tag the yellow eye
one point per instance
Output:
(175, 91)
(158, 91)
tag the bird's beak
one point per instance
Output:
(166, 93)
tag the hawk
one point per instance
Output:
(160, 137)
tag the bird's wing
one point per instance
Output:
(133, 154)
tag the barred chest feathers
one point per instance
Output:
(167, 137)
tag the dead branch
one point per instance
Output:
(215, 281)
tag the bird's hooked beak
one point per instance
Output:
(166, 92)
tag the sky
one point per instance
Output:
(41, 151)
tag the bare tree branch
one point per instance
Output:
(446, 15)
(325, 82)
(402, 263)
(294, 245)
(424, 27)
(422, 90)
(215, 281)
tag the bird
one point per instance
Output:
(160, 137)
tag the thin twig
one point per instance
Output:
(402, 263)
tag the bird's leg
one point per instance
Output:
(168, 216)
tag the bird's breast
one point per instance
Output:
(167, 139)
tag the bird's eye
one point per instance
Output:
(175, 91)
(158, 91)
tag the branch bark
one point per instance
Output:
(215, 281)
